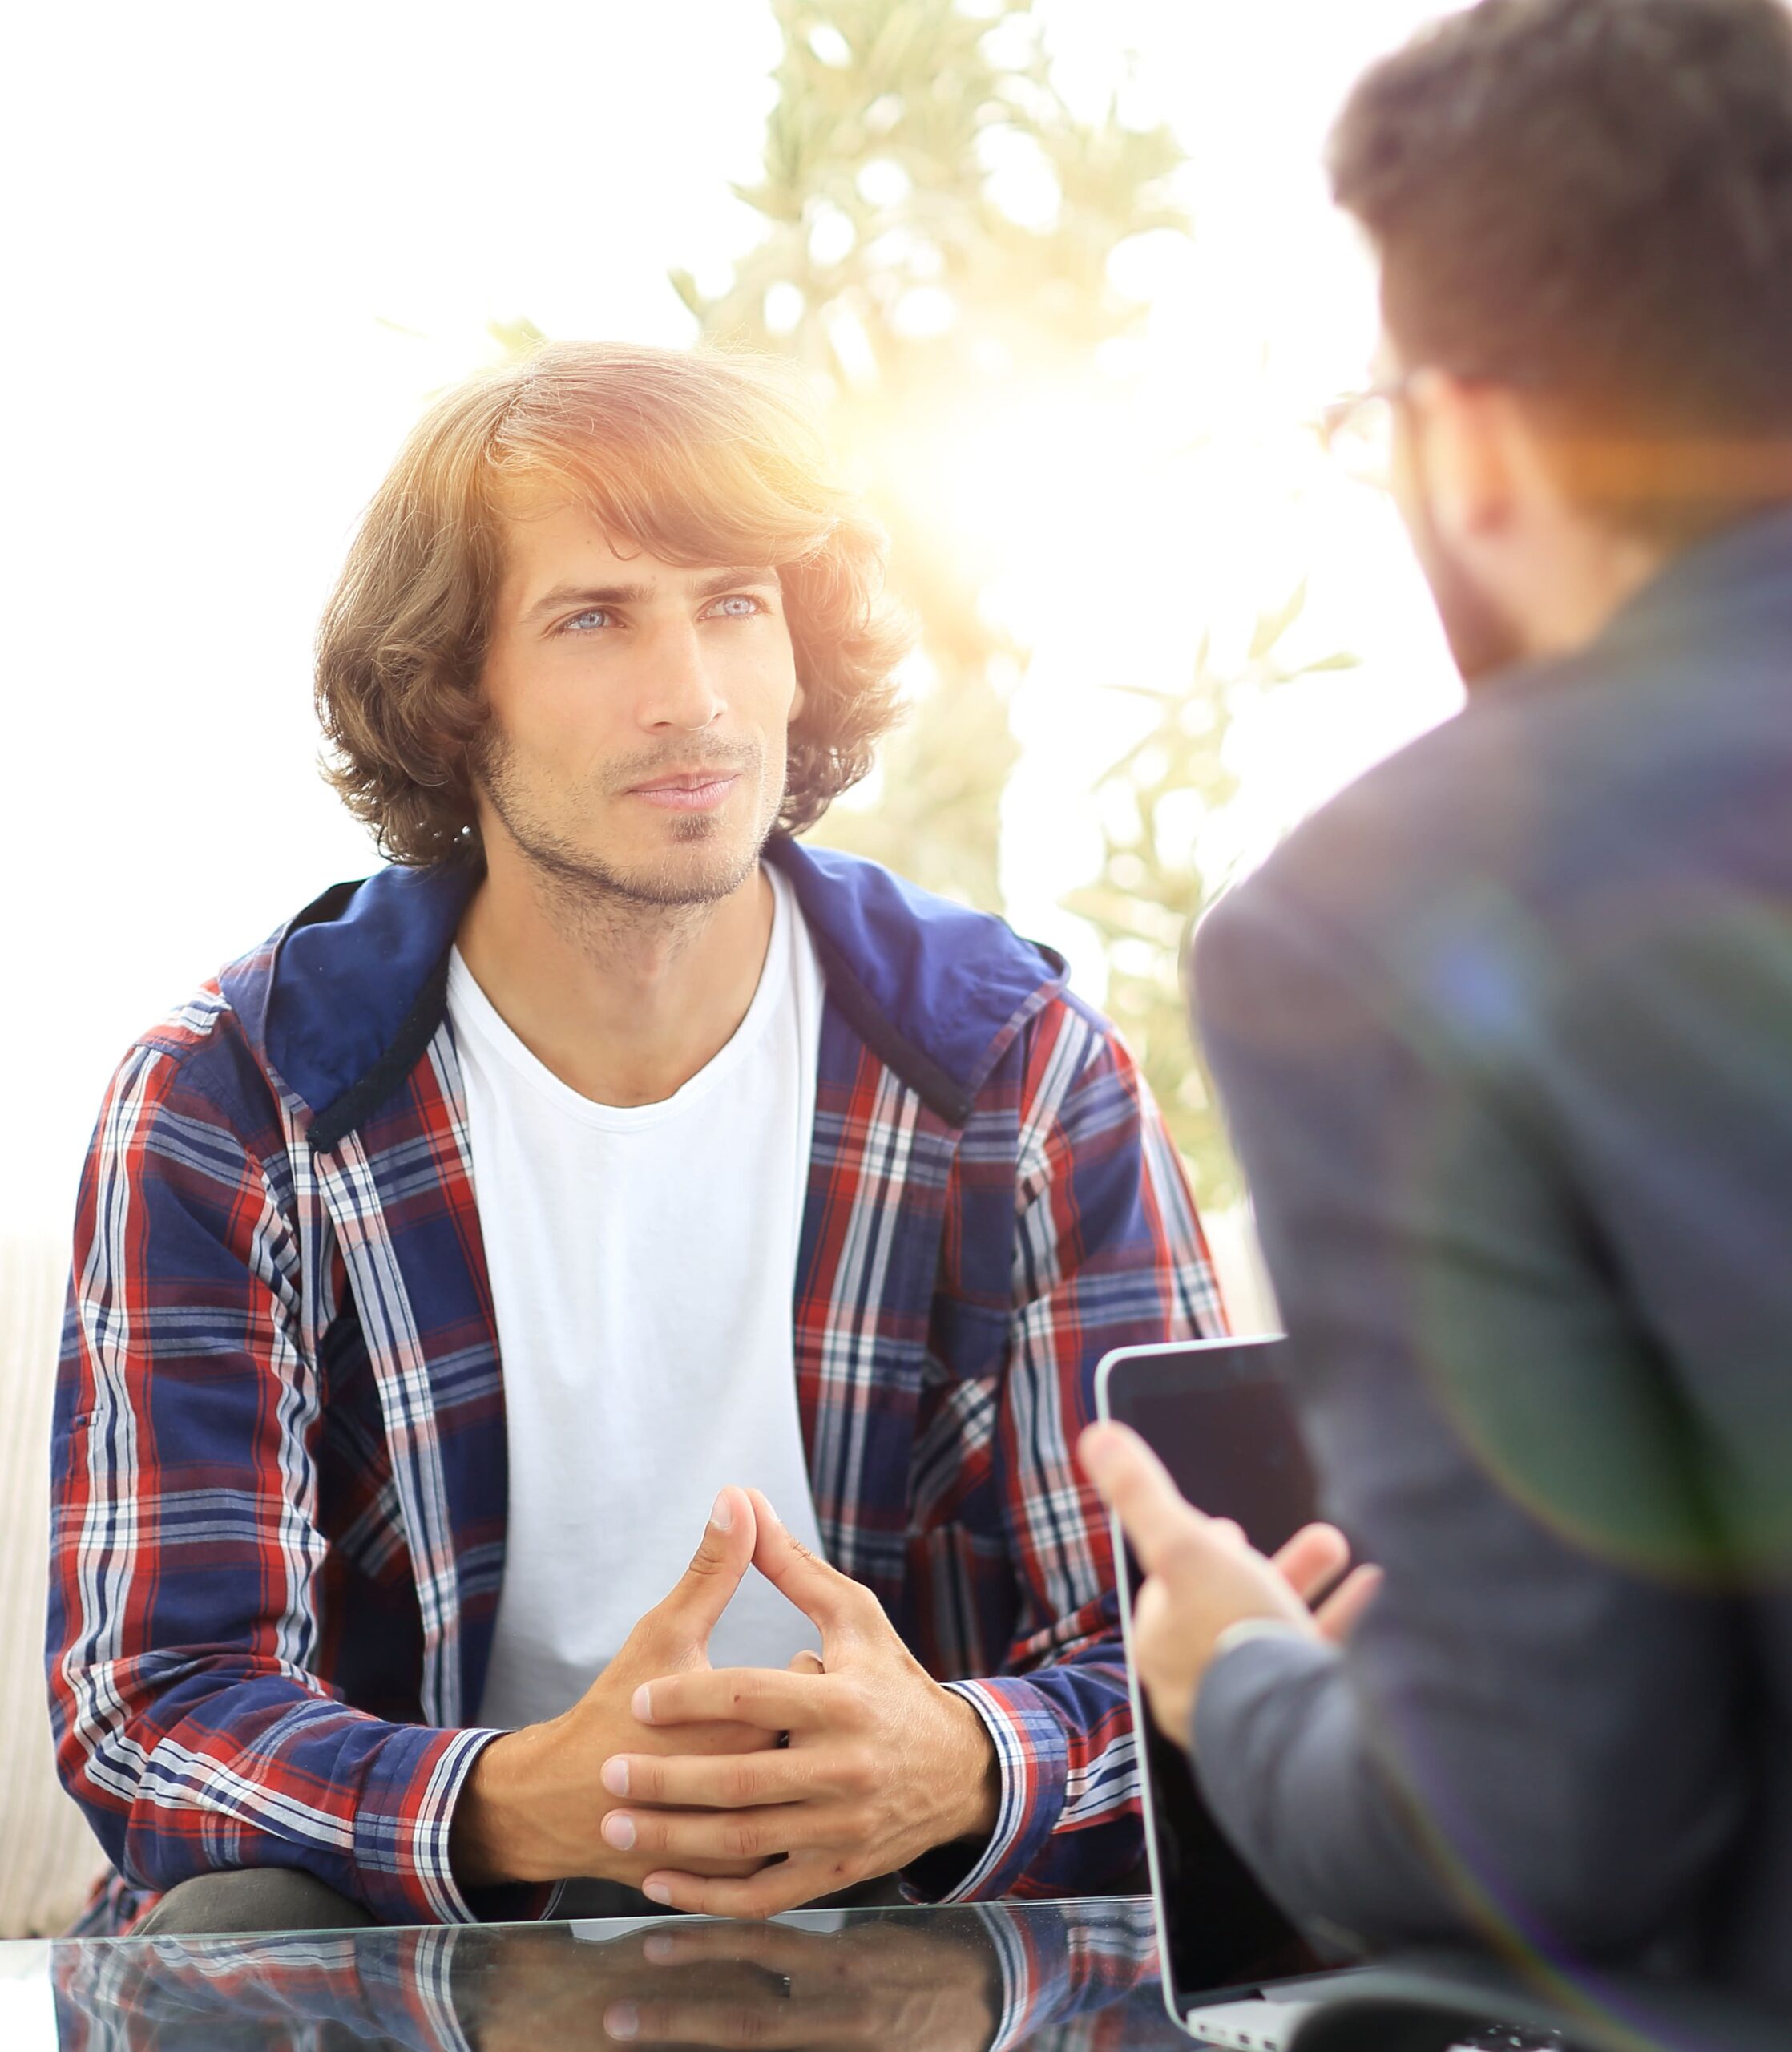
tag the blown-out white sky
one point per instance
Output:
(246, 243)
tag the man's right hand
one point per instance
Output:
(531, 1808)
(1203, 1576)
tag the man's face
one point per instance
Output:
(639, 709)
(1482, 636)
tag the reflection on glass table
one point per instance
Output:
(968, 1979)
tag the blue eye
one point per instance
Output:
(577, 624)
(752, 605)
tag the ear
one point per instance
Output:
(1471, 445)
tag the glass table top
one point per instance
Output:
(982, 1978)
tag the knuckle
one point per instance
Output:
(764, 1897)
(743, 1841)
(744, 1784)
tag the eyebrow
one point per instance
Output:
(712, 586)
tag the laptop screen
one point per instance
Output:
(1216, 1416)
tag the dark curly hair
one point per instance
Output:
(1591, 200)
(700, 457)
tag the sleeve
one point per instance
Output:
(1107, 1253)
(185, 1548)
(1528, 1737)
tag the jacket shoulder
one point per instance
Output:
(198, 1060)
(1549, 791)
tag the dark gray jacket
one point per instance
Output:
(1504, 1035)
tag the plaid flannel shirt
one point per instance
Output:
(278, 1467)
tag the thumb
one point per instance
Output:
(808, 1662)
(704, 1591)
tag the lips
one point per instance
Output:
(686, 779)
(687, 790)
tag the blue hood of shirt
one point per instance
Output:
(354, 987)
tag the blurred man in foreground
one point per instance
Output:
(1505, 1038)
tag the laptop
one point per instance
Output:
(1236, 1971)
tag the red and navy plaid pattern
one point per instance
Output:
(279, 1466)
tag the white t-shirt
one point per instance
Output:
(643, 1261)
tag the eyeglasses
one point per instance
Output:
(1357, 430)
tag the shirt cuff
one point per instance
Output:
(402, 1831)
(1232, 1684)
(1244, 1629)
(1033, 1756)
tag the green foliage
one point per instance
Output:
(1157, 802)
(516, 337)
(938, 224)
(938, 227)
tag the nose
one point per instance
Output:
(678, 688)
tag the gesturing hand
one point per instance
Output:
(882, 1763)
(532, 1809)
(1202, 1575)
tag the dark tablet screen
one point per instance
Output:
(1219, 1418)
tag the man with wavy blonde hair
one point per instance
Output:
(609, 1160)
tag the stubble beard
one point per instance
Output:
(1483, 639)
(594, 896)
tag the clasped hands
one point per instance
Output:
(736, 1791)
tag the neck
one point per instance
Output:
(1578, 572)
(624, 1000)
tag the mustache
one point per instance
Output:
(711, 758)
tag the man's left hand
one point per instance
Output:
(1202, 1576)
(882, 1764)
